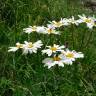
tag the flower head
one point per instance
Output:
(53, 61)
(90, 21)
(30, 47)
(70, 56)
(53, 49)
(30, 29)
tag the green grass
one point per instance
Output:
(25, 75)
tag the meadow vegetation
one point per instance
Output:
(25, 75)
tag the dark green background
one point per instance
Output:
(25, 75)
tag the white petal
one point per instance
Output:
(61, 64)
(89, 25)
(69, 62)
(25, 51)
(13, 49)
(47, 60)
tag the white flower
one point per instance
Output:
(53, 49)
(30, 29)
(13, 49)
(57, 24)
(73, 21)
(70, 56)
(53, 61)
(50, 29)
(90, 21)
(30, 47)
(66, 57)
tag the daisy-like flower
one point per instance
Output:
(53, 61)
(53, 49)
(73, 21)
(14, 49)
(90, 21)
(38, 29)
(50, 29)
(70, 56)
(30, 47)
(57, 24)
(30, 29)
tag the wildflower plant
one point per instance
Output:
(56, 54)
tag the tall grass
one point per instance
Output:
(25, 75)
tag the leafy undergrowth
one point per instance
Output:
(22, 75)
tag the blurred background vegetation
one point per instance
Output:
(25, 75)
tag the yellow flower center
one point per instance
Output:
(70, 55)
(53, 48)
(58, 24)
(34, 28)
(49, 30)
(30, 45)
(87, 20)
(56, 58)
(19, 45)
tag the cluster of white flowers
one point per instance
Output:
(60, 55)
(50, 29)
(57, 54)
(27, 47)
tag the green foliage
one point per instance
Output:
(25, 75)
